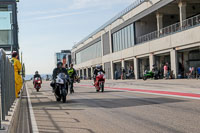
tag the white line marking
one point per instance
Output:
(33, 121)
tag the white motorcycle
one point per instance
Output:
(61, 87)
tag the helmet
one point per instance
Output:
(36, 72)
(98, 66)
(59, 64)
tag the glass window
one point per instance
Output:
(6, 37)
(114, 42)
(94, 51)
(118, 41)
(132, 35)
(123, 38)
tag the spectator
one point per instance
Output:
(191, 72)
(166, 72)
(116, 74)
(18, 78)
(130, 73)
(198, 73)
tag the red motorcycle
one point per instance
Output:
(100, 81)
(37, 83)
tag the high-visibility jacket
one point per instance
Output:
(71, 72)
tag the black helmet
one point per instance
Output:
(59, 64)
(36, 72)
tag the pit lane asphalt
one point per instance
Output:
(113, 112)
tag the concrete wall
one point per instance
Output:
(177, 40)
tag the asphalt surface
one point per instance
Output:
(113, 112)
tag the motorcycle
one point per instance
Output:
(151, 74)
(100, 81)
(37, 84)
(61, 87)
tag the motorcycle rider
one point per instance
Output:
(96, 71)
(72, 74)
(37, 75)
(56, 71)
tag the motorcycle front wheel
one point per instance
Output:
(102, 87)
(64, 95)
(145, 78)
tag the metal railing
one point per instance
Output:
(186, 24)
(7, 85)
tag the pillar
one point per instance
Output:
(159, 18)
(123, 64)
(174, 62)
(83, 73)
(151, 61)
(182, 12)
(112, 70)
(79, 72)
(136, 68)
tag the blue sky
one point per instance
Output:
(48, 26)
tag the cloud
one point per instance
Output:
(61, 15)
(44, 12)
(58, 15)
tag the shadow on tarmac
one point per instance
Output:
(106, 102)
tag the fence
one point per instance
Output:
(7, 85)
(186, 24)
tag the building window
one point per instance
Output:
(6, 35)
(92, 52)
(123, 38)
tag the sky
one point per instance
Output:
(49, 26)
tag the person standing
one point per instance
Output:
(72, 73)
(198, 73)
(17, 69)
(166, 71)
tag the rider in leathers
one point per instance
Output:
(96, 71)
(37, 75)
(56, 71)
